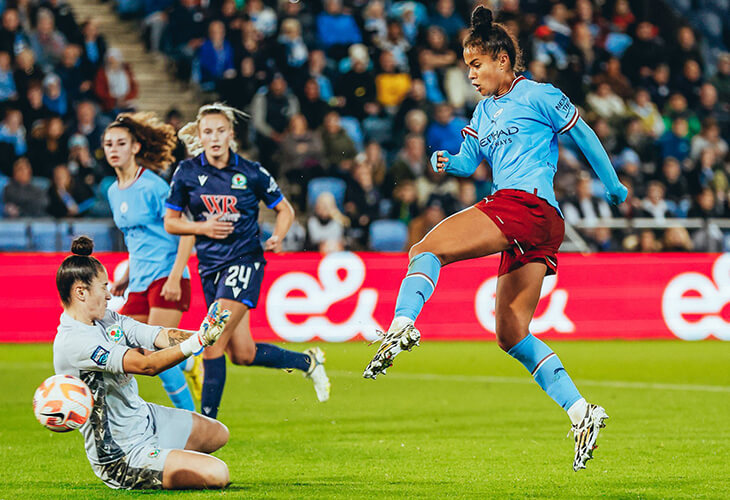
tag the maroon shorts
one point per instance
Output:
(139, 303)
(533, 227)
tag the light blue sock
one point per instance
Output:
(546, 369)
(418, 285)
(173, 380)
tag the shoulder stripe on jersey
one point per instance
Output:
(571, 123)
(278, 200)
(514, 82)
(174, 207)
(469, 131)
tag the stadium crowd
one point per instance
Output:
(349, 99)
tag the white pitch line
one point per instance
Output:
(618, 384)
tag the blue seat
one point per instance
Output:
(333, 185)
(100, 232)
(352, 127)
(388, 235)
(13, 235)
(41, 182)
(44, 236)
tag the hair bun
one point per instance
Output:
(83, 245)
(481, 19)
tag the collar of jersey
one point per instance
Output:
(514, 82)
(232, 157)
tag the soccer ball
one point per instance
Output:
(62, 403)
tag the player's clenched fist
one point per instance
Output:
(439, 161)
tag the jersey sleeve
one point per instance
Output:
(266, 188)
(555, 107)
(178, 197)
(470, 149)
(137, 334)
(159, 193)
(88, 352)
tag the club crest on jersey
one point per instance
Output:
(123, 207)
(239, 181)
(115, 332)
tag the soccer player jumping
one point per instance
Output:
(515, 130)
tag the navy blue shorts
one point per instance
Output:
(240, 281)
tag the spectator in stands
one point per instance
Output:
(547, 50)
(114, 84)
(647, 112)
(312, 106)
(677, 108)
(460, 93)
(447, 18)
(446, 187)
(68, 197)
(689, 81)
(685, 48)
(73, 79)
(629, 164)
(20, 197)
(645, 54)
(339, 148)
(648, 242)
(7, 83)
(272, 110)
(396, 43)
(375, 157)
(654, 204)
(300, 11)
(658, 85)
(410, 163)
(336, 30)
(262, 16)
(317, 68)
(81, 164)
(293, 53)
(33, 108)
(13, 132)
(710, 107)
(356, 87)
(416, 123)
(675, 142)
(362, 200)
(415, 99)
(374, 23)
(64, 18)
(377, 125)
(54, 97)
(430, 78)
(605, 103)
(48, 146)
(721, 80)
(391, 85)
(708, 138)
(404, 205)
(584, 60)
(612, 75)
(47, 42)
(238, 89)
(444, 133)
(215, 56)
(94, 48)
(154, 22)
(676, 239)
(437, 50)
(326, 223)
(705, 205)
(676, 185)
(13, 38)
(584, 207)
(301, 154)
(433, 213)
(27, 72)
(185, 34)
(601, 239)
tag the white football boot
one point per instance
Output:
(586, 435)
(401, 336)
(317, 374)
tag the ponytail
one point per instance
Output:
(492, 38)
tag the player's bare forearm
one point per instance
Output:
(175, 223)
(284, 218)
(142, 362)
(170, 337)
(184, 249)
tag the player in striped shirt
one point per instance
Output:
(515, 130)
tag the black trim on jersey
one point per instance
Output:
(107, 450)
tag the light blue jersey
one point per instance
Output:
(517, 134)
(138, 212)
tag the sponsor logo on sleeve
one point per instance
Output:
(100, 356)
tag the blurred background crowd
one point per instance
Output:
(349, 98)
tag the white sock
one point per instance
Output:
(577, 411)
(399, 322)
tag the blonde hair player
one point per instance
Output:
(222, 191)
(515, 130)
(138, 146)
(132, 444)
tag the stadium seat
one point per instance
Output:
(353, 129)
(44, 236)
(3, 182)
(100, 232)
(333, 185)
(388, 235)
(13, 235)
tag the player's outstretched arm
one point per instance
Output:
(175, 345)
(588, 142)
(463, 164)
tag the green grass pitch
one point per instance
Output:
(450, 420)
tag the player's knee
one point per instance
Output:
(217, 475)
(243, 356)
(422, 247)
(220, 436)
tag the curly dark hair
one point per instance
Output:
(157, 139)
(492, 38)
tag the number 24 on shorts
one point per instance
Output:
(239, 276)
